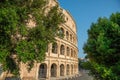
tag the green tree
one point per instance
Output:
(103, 48)
(80, 64)
(18, 42)
(84, 64)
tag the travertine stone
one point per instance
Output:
(55, 64)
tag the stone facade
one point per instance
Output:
(61, 57)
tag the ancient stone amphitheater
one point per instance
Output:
(61, 57)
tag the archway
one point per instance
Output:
(68, 51)
(75, 68)
(67, 35)
(62, 49)
(68, 69)
(61, 33)
(71, 69)
(71, 52)
(42, 70)
(53, 70)
(61, 70)
(54, 48)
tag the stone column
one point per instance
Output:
(77, 68)
(37, 70)
(58, 69)
(48, 70)
(73, 69)
(49, 49)
(64, 34)
(65, 69)
(65, 51)
(58, 51)
(69, 70)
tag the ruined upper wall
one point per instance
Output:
(69, 21)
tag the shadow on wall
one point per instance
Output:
(1, 70)
(12, 78)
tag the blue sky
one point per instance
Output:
(85, 12)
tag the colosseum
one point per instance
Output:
(61, 57)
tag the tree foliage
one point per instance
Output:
(18, 42)
(103, 48)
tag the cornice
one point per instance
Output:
(66, 59)
(66, 41)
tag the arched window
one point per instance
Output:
(54, 48)
(68, 69)
(71, 69)
(53, 70)
(67, 35)
(42, 70)
(71, 52)
(61, 70)
(68, 51)
(74, 68)
(70, 37)
(62, 50)
(73, 40)
(61, 33)
(75, 54)
(66, 18)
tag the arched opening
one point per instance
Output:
(61, 70)
(73, 40)
(62, 30)
(42, 70)
(71, 52)
(74, 68)
(70, 37)
(68, 51)
(68, 69)
(76, 41)
(54, 48)
(67, 35)
(71, 69)
(62, 49)
(75, 55)
(53, 70)
(61, 33)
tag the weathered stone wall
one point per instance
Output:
(56, 65)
